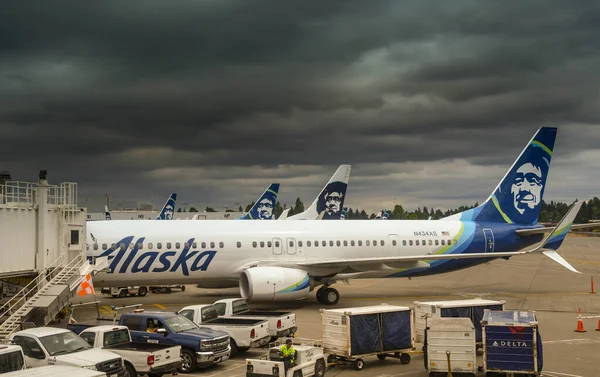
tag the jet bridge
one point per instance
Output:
(43, 247)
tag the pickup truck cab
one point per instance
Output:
(11, 358)
(200, 347)
(139, 358)
(281, 324)
(244, 333)
(53, 346)
(56, 371)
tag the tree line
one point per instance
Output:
(550, 212)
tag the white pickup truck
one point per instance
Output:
(139, 358)
(244, 333)
(56, 371)
(280, 323)
(53, 346)
(11, 358)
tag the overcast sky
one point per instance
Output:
(430, 101)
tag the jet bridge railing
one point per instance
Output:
(33, 287)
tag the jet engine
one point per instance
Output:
(274, 284)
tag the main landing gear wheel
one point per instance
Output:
(328, 296)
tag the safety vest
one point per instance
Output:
(288, 352)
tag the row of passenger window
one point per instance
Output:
(159, 245)
(269, 244)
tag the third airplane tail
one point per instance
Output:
(330, 201)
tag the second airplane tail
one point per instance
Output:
(168, 209)
(264, 206)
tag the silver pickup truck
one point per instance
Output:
(280, 323)
(244, 333)
(139, 358)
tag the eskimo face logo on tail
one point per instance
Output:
(332, 200)
(520, 194)
(527, 187)
(264, 208)
(168, 212)
(125, 259)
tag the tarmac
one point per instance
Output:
(530, 282)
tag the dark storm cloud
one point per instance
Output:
(130, 97)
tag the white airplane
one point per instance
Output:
(329, 203)
(285, 260)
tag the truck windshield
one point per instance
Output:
(112, 338)
(239, 307)
(64, 342)
(208, 313)
(180, 324)
(9, 362)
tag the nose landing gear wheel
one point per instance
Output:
(328, 296)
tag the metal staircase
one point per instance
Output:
(40, 301)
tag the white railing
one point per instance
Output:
(35, 285)
(17, 194)
(23, 194)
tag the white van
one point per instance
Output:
(56, 371)
(11, 358)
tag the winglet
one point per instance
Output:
(556, 238)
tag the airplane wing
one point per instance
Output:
(548, 247)
(546, 229)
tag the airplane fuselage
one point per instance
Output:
(215, 252)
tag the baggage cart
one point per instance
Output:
(455, 336)
(351, 334)
(512, 344)
(471, 308)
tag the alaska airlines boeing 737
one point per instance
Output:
(285, 260)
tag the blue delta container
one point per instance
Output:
(512, 343)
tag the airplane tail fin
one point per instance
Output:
(107, 213)
(168, 209)
(518, 197)
(263, 207)
(344, 214)
(284, 214)
(330, 201)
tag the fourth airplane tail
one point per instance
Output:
(518, 197)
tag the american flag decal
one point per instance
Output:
(444, 233)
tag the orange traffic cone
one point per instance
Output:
(579, 323)
(598, 329)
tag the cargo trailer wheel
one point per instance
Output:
(404, 358)
(359, 364)
(182, 288)
(142, 291)
(381, 356)
(123, 293)
(330, 296)
(320, 368)
(188, 361)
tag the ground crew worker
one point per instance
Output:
(287, 353)
(150, 326)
